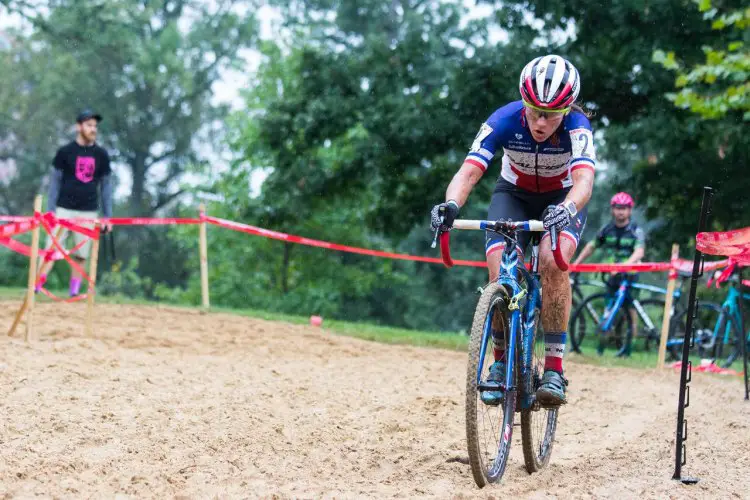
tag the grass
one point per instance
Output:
(386, 334)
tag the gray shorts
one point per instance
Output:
(78, 238)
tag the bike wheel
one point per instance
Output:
(651, 335)
(584, 321)
(708, 318)
(489, 429)
(733, 347)
(538, 424)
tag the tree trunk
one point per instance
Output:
(285, 267)
(138, 207)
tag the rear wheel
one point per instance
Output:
(733, 348)
(538, 424)
(708, 319)
(489, 429)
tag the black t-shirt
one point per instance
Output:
(82, 168)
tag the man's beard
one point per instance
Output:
(89, 137)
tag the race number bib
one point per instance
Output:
(484, 132)
(582, 143)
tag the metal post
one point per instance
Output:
(686, 371)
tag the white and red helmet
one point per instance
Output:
(623, 199)
(550, 83)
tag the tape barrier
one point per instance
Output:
(707, 366)
(15, 218)
(9, 230)
(21, 224)
(275, 235)
(69, 300)
(115, 221)
(49, 229)
(734, 244)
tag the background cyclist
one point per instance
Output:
(548, 158)
(621, 241)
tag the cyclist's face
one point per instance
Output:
(543, 124)
(621, 214)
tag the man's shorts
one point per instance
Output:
(510, 202)
(78, 238)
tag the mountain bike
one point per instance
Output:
(513, 302)
(726, 332)
(577, 284)
(604, 318)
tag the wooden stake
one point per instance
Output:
(91, 291)
(203, 244)
(667, 319)
(32, 272)
(44, 268)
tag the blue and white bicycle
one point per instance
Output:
(510, 304)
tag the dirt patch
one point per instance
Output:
(167, 402)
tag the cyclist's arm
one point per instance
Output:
(636, 256)
(462, 183)
(582, 160)
(586, 252)
(583, 185)
(480, 155)
(640, 247)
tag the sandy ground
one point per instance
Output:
(172, 403)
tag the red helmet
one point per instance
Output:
(622, 198)
(549, 83)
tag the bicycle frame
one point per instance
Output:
(523, 318)
(615, 304)
(731, 306)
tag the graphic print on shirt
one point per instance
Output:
(85, 167)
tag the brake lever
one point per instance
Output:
(553, 238)
(437, 232)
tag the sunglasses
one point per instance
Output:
(621, 206)
(535, 113)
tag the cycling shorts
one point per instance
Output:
(511, 202)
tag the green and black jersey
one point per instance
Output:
(618, 243)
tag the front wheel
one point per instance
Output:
(489, 429)
(586, 320)
(538, 425)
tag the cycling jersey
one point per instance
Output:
(532, 166)
(620, 242)
(511, 202)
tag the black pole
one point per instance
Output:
(743, 341)
(686, 370)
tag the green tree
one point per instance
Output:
(728, 69)
(661, 154)
(148, 66)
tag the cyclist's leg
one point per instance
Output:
(506, 203)
(556, 309)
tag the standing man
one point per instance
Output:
(80, 168)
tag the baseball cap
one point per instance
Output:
(88, 114)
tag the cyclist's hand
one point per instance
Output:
(556, 217)
(448, 211)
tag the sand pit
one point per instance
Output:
(172, 403)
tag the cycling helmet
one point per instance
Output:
(622, 198)
(549, 83)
